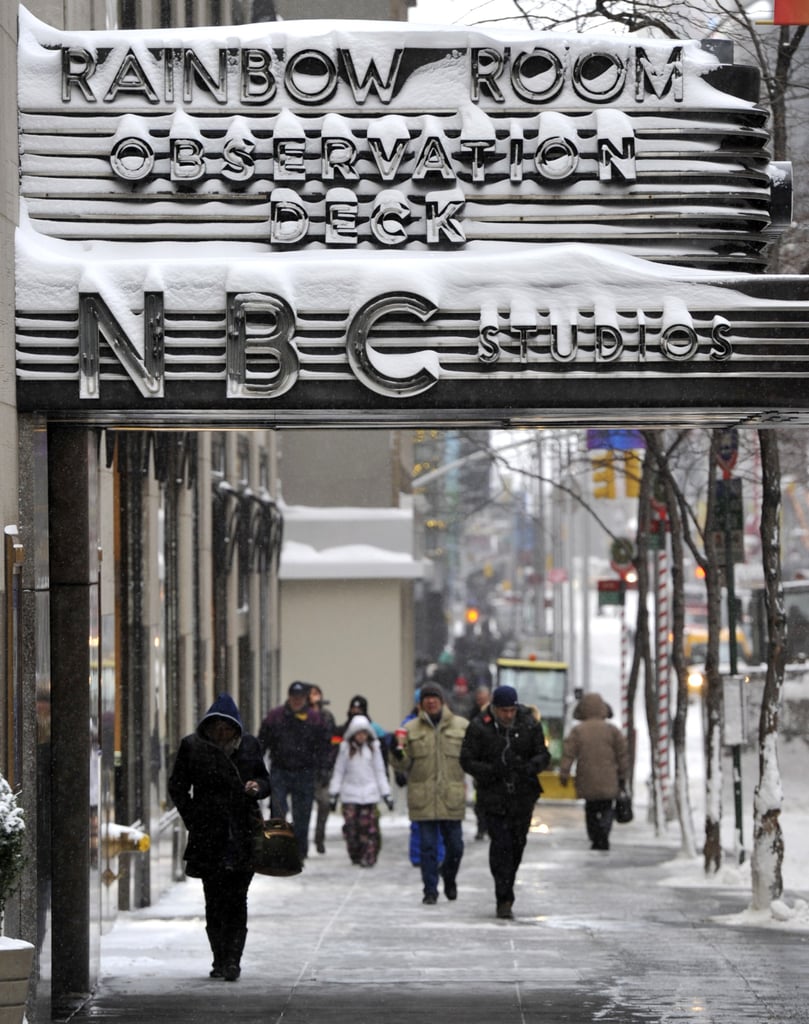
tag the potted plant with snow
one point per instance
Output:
(16, 956)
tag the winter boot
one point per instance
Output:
(215, 940)
(233, 955)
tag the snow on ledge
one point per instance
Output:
(349, 562)
(353, 513)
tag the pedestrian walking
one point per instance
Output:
(414, 846)
(359, 706)
(504, 751)
(599, 751)
(429, 750)
(323, 776)
(360, 781)
(218, 778)
(296, 739)
(482, 697)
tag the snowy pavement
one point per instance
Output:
(634, 935)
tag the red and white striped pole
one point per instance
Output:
(622, 557)
(624, 674)
(663, 664)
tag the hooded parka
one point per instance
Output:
(207, 787)
(212, 772)
(359, 773)
(599, 750)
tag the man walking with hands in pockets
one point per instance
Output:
(504, 751)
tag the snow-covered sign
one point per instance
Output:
(391, 137)
(364, 220)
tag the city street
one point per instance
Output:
(612, 938)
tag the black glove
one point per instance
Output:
(388, 801)
(401, 778)
(333, 803)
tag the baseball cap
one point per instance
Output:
(297, 689)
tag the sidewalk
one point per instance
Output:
(597, 938)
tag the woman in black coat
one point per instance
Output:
(504, 751)
(218, 778)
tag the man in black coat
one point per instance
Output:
(298, 744)
(218, 778)
(504, 751)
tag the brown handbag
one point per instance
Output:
(275, 851)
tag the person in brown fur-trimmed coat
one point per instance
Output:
(599, 750)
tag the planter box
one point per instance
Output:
(16, 961)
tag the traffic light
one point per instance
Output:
(632, 474)
(603, 475)
(472, 616)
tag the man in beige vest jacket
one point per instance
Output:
(430, 753)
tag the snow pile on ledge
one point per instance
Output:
(349, 561)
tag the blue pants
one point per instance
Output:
(297, 788)
(452, 834)
(415, 845)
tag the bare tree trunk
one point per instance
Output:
(643, 652)
(712, 698)
(768, 843)
(668, 489)
(681, 797)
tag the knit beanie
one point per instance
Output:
(431, 690)
(504, 697)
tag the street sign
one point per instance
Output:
(611, 592)
(735, 722)
(622, 551)
(728, 517)
(615, 440)
(728, 504)
(728, 450)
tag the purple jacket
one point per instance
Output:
(296, 743)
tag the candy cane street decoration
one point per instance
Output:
(663, 666)
(624, 674)
(622, 554)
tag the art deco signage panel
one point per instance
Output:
(377, 223)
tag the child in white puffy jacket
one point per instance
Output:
(360, 781)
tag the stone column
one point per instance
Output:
(74, 614)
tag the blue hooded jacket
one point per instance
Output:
(223, 707)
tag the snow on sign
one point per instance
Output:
(369, 222)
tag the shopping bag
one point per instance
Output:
(623, 808)
(275, 851)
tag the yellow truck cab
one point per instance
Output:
(542, 685)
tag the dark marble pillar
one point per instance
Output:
(34, 905)
(74, 610)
